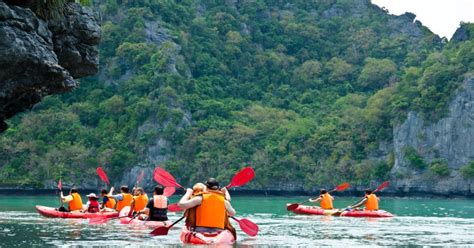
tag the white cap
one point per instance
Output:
(91, 195)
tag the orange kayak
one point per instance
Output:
(312, 210)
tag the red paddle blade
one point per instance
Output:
(169, 191)
(102, 175)
(174, 208)
(383, 185)
(161, 230)
(242, 177)
(140, 176)
(292, 207)
(165, 178)
(342, 186)
(248, 227)
(60, 184)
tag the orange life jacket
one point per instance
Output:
(76, 203)
(212, 212)
(160, 201)
(110, 203)
(326, 201)
(372, 202)
(127, 201)
(140, 202)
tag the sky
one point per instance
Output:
(442, 17)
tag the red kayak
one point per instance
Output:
(54, 213)
(312, 210)
(136, 221)
(197, 238)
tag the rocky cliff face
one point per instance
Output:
(451, 139)
(39, 58)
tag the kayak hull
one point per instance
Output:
(312, 210)
(197, 238)
(54, 213)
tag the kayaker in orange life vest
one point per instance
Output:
(73, 200)
(157, 207)
(324, 199)
(371, 201)
(108, 204)
(123, 199)
(212, 207)
(139, 201)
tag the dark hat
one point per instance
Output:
(212, 183)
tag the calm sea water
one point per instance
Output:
(418, 222)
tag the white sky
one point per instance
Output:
(442, 17)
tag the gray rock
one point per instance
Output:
(38, 58)
(450, 139)
(462, 33)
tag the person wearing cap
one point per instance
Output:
(73, 200)
(211, 208)
(324, 199)
(370, 200)
(123, 199)
(92, 205)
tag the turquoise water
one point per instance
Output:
(417, 222)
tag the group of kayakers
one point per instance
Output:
(207, 205)
(370, 201)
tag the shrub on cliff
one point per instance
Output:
(467, 171)
(416, 161)
(439, 167)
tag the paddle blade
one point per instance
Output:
(169, 191)
(165, 178)
(140, 176)
(161, 230)
(382, 186)
(247, 226)
(174, 208)
(242, 177)
(342, 186)
(292, 207)
(102, 175)
(60, 184)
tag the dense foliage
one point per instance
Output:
(303, 92)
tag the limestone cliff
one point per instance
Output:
(450, 139)
(42, 57)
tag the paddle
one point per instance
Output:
(247, 226)
(242, 177)
(163, 230)
(340, 187)
(140, 177)
(380, 187)
(60, 188)
(102, 175)
(169, 191)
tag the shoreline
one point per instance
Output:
(253, 192)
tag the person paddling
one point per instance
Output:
(92, 205)
(371, 201)
(73, 200)
(324, 199)
(139, 201)
(212, 209)
(157, 207)
(108, 204)
(123, 199)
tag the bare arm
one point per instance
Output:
(314, 200)
(229, 208)
(359, 203)
(186, 202)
